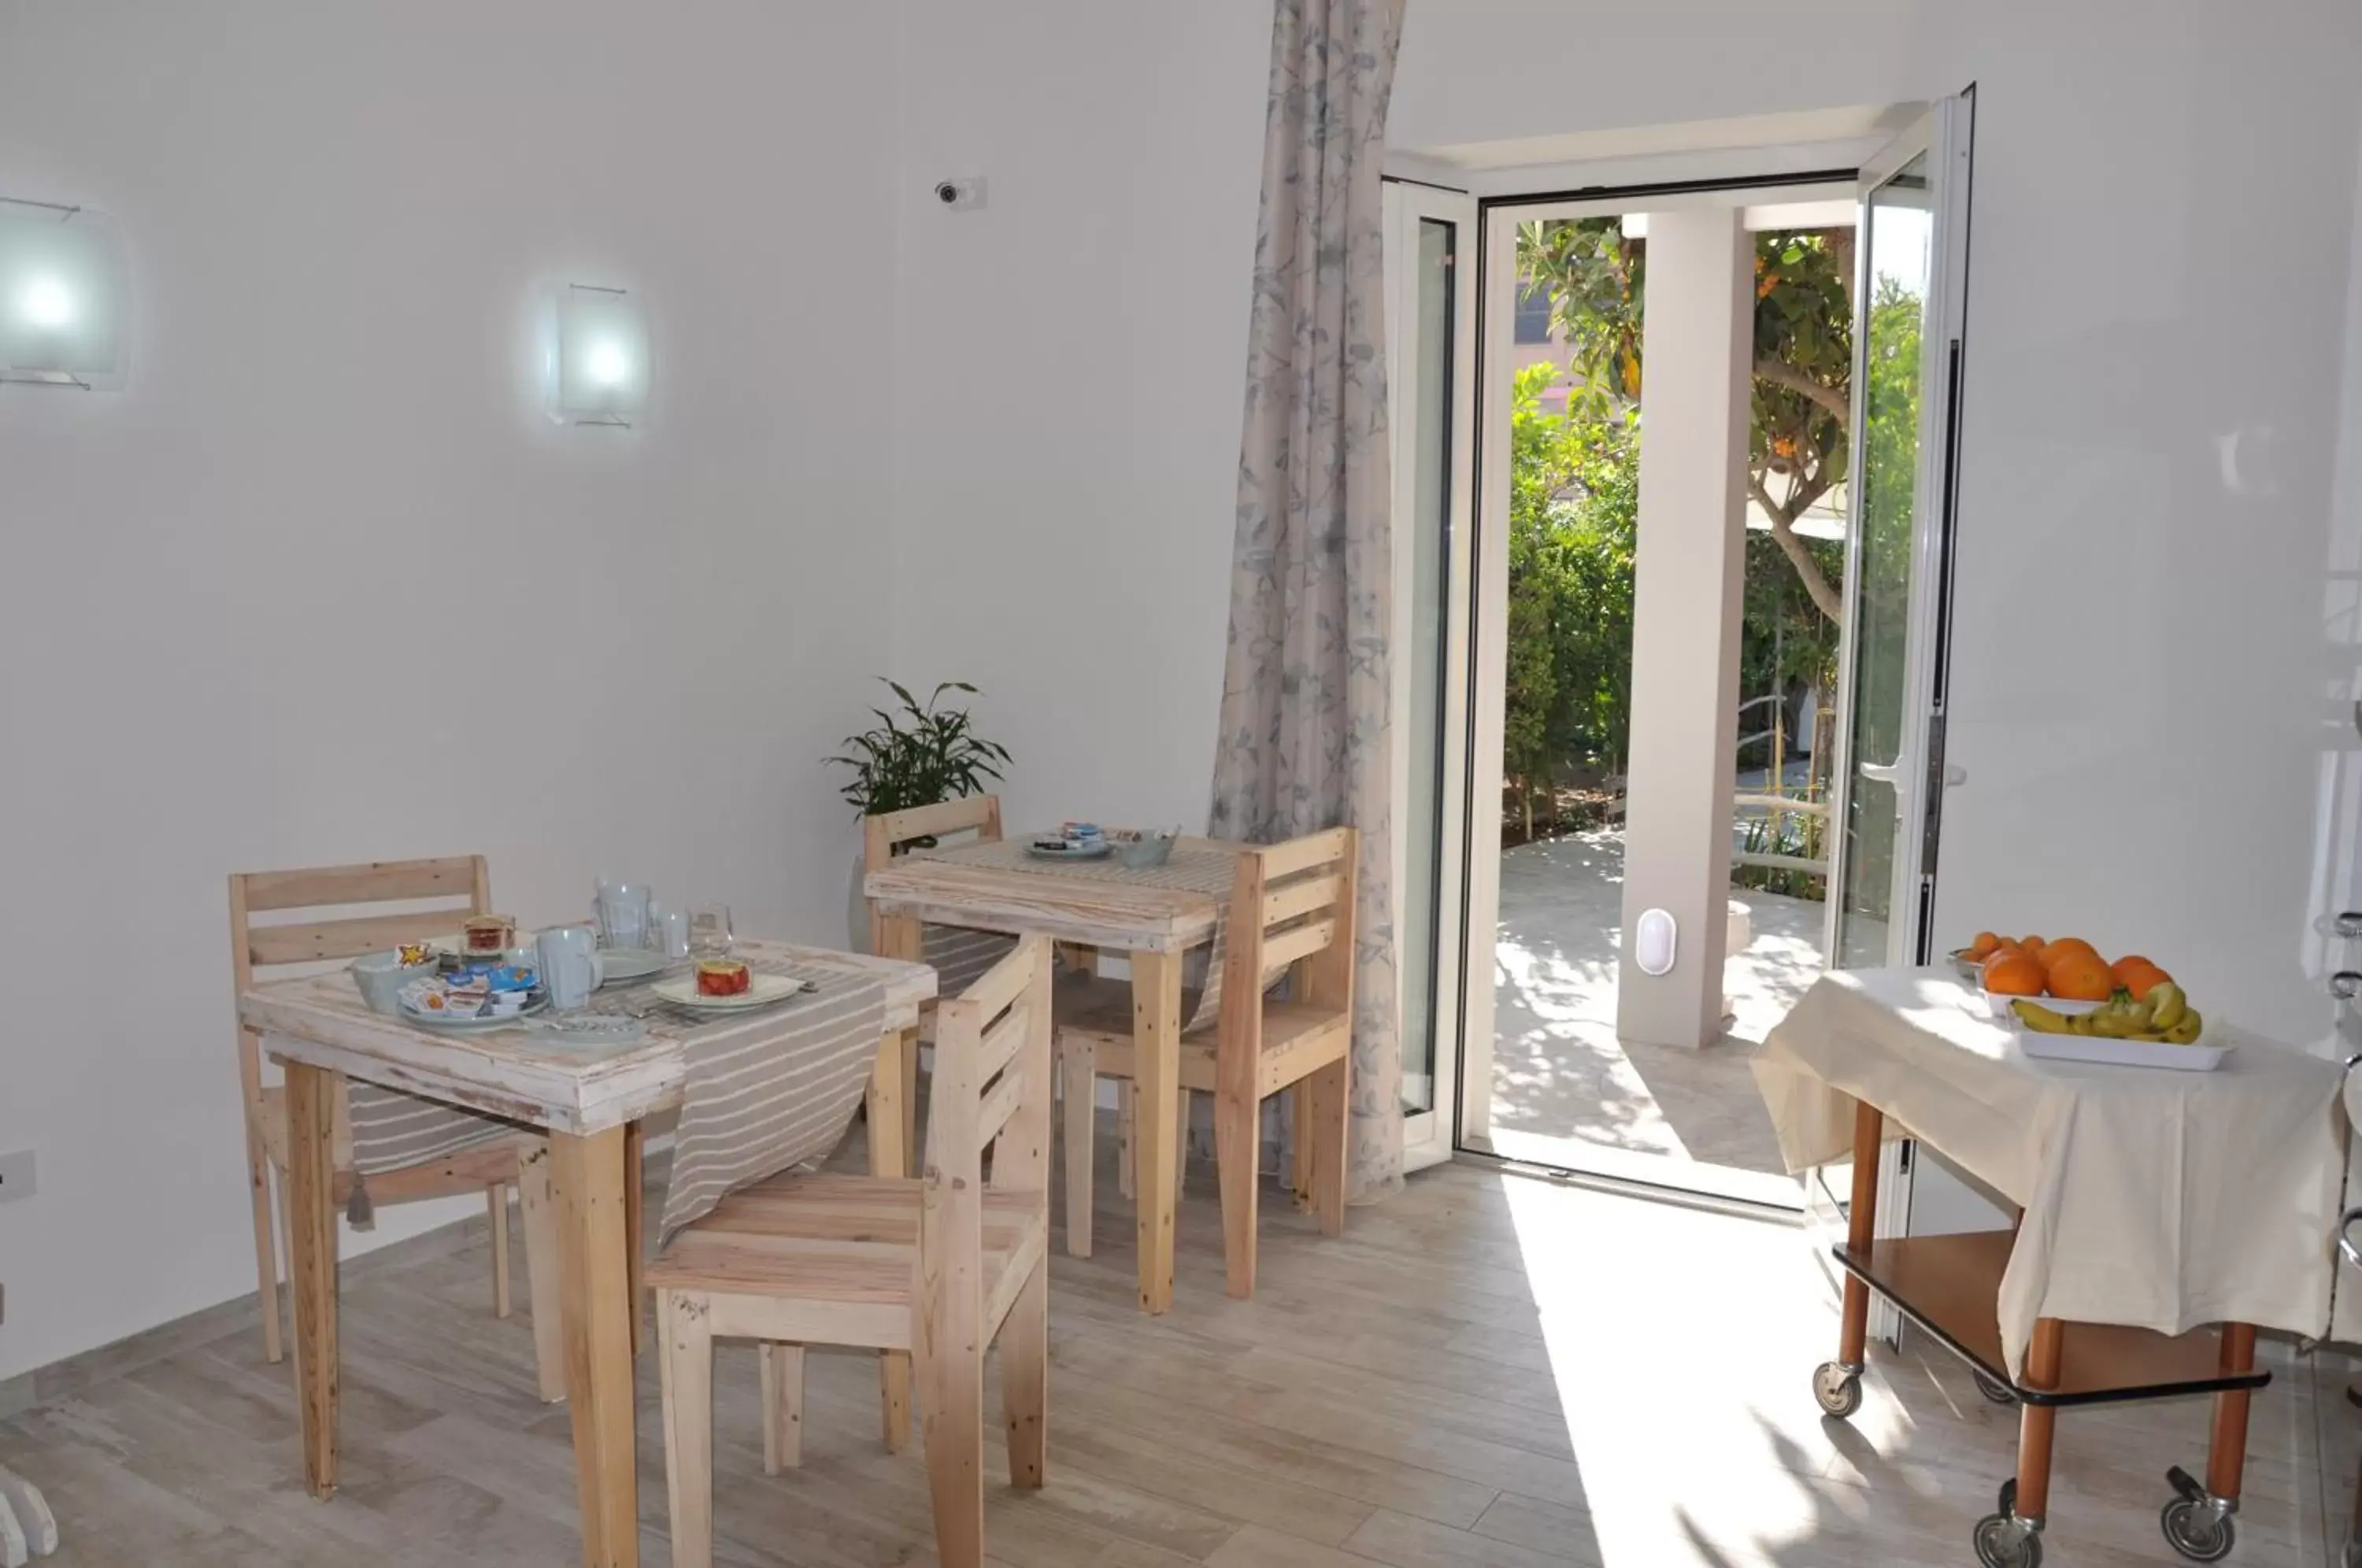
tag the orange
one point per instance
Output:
(2031, 945)
(1983, 946)
(2138, 974)
(2081, 978)
(2057, 952)
(2013, 975)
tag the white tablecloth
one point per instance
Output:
(2160, 1200)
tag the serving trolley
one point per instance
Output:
(1948, 1287)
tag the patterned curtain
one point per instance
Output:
(1306, 687)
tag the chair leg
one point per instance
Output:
(1237, 1134)
(1332, 1097)
(783, 1407)
(266, 1245)
(1079, 1072)
(287, 1250)
(685, 1349)
(952, 1380)
(543, 1274)
(1026, 1379)
(1299, 1143)
(496, 1206)
(1181, 1141)
(1126, 1110)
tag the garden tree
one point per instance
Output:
(1804, 357)
(1574, 506)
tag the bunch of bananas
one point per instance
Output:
(2165, 1014)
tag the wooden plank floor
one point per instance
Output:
(1490, 1371)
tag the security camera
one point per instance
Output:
(960, 196)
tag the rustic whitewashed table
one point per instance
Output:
(590, 1101)
(1154, 918)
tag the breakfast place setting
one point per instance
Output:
(454, 1052)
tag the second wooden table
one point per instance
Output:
(1152, 922)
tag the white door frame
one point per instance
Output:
(1427, 1134)
(1491, 639)
(1943, 134)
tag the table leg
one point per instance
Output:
(891, 1086)
(1156, 1064)
(312, 1095)
(1861, 1222)
(2226, 1457)
(587, 1181)
(635, 1262)
(2036, 1424)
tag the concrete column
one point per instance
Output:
(1699, 333)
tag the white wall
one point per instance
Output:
(2148, 646)
(1073, 362)
(234, 631)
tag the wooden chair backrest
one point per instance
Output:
(1291, 910)
(462, 887)
(991, 1090)
(883, 834)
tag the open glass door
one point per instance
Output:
(1890, 773)
(1431, 334)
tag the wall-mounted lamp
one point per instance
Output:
(62, 297)
(597, 370)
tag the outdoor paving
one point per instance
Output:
(1559, 1070)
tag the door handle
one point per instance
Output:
(1882, 772)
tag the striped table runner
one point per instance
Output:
(1195, 869)
(771, 1090)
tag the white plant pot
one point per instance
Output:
(856, 910)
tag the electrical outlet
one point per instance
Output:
(17, 1177)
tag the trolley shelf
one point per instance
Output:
(1950, 1286)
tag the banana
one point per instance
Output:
(2112, 1023)
(2042, 1020)
(2186, 1028)
(2167, 1006)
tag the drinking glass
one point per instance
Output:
(709, 931)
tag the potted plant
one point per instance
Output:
(920, 755)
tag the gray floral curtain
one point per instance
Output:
(1306, 687)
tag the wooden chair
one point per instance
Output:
(956, 954)
(1291, 913)
(938, 1267)
(394, 1147)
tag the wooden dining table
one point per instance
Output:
(590, 1101)
(1150, 920)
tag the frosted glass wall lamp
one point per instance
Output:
(62, 297)
(597, 368)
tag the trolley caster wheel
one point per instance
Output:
(2003, 1541)
(2195, 1528)
(1995, 1389)
(1838, 1388)
(2007, 1502)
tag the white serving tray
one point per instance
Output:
(2192, 1058)
(1997, 1005)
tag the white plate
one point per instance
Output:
(761, 990)
(444, 1024)
(1098, 851)
(625, 965)
(2191, 1059)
